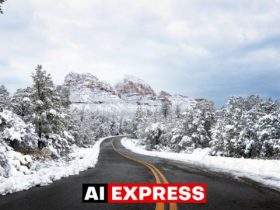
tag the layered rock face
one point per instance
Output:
(132, 86)
(88, 91)
(86, 88)
(135, 91)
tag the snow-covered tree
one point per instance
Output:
(165, 108)
(137, 120)
(94, 125)
(270, 149)
(178, 111)
(197, 123)
(269, 133)
(247, 127)
(4, 97)
(154, 132)
(64, 94)
(114, 127)
(21, 103)
(49, 117)
(234, 131)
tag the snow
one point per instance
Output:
(26, 100)
(88, 92)
(53, 112)
(14, 128)
(12, 133)
(266, 172)
(25, 174)
(229, 127)
(156, 126)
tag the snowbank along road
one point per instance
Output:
(118, 165)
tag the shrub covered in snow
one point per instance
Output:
(247, 127)
(4, 166)
(15, 132)
(13, 163)
(179, 131)
(21, 103)
(270, 148)
(154, 133)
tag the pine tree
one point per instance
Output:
(21, 103)
(137, 120)
(178, 111)
(165, 109)
(197, 123)
(153, 132)
(64, 94)
(4, 98)
(48, 114)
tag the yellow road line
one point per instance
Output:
(172, 206)
(156, 172)
(159, 206)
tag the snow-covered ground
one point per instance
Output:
(44, 173)
(266, 172)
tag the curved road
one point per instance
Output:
(118, 165)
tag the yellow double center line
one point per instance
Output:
(159, 177)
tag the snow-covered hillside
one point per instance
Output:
(88, 92)
(134, 90)
(86, 88)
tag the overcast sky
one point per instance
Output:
(200, 48)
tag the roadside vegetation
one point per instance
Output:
(40, 129)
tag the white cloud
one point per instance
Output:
(193, 39)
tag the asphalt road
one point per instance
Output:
(223, 192)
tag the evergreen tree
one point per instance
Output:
(178, 111)
(137, 120)
(4, 98)
(48, 115)
(154, 132)
(247, 127)
(64, 94)
(197, 123)
(21, 103)
(165, 108)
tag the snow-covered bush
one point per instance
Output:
(153, 134)
(247, 127)
(186, 144)
(15, 132)
(197, 124)
(4, 166)
(125, 126)
(12, 162)
(193, 125)
(21, 104)
(59, 145)
(270, 148)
